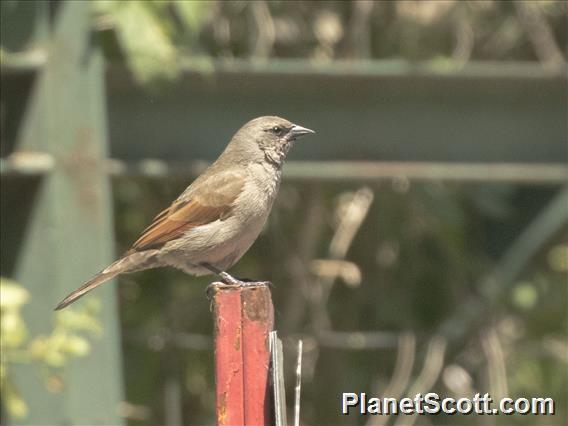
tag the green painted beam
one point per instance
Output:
(376, 112)
(38, 164)
(57, 229)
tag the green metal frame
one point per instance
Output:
(58, 225)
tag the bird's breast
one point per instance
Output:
(259, 192)
(231, 236)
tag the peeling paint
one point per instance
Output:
(238, 338)
(257, 304)
(222, 409)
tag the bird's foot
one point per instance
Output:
(231, 281)
(228, 282)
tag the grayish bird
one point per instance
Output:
(218, 217)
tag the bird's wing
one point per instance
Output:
(206, 201)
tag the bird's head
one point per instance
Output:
(270, 136)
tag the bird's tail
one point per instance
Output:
(129, 263)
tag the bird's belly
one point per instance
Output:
(220, 244)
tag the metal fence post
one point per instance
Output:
(243, 319)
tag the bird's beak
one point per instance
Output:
(298, 131)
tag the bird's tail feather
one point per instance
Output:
(131, 263)
(93, 283)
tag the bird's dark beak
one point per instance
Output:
(298, 131)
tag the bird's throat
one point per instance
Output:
(276, 155)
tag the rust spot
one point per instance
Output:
(257, 304)
(238, 338)
(222, 416)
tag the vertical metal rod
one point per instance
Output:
(298, 389)
(278, 387)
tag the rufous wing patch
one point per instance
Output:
(210, 201)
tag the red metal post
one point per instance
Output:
(243, 319)
(228, 358)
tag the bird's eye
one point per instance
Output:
(277, 130)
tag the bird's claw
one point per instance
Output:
(233, 284)
(231, 281)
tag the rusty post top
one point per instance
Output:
(256, 298)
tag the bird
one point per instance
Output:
(211, 225)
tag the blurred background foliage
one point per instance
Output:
(370, 277)
(156, 37)
(46, 353)
(391, 285)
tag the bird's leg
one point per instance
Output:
(225, 276)
(229, 280)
